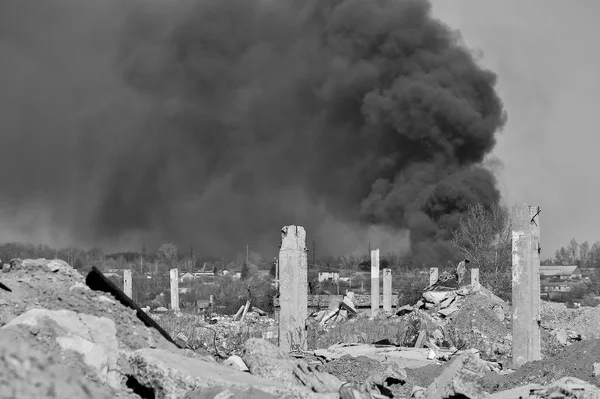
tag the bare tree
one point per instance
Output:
(584, 253)
(574, 250)
(168, 254)
(484, 237)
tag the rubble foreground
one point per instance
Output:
(59, 338)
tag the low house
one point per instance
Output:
(329, 276)
(187, 276)
(589, 272)
(560, 272)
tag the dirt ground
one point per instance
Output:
(576, 360)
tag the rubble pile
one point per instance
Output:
(336, 312)
(462, 318)
(59, 338)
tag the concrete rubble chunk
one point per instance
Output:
(267, 361)
(449, 310)
(236, 362)
(94, 338)
(596, 369)
(462, 377)
(171, 376)
(436, 297)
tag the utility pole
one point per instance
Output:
(191, 258)
(314, 253)
(246, 254)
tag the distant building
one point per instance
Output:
(561, 272)
(329, 276)
(588, 272)
(187, 276)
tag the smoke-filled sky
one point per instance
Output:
(548, 76)
(216, 122)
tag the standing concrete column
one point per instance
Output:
(525, 284)
(433, 275)
(127, 283)
(293, 287)
(174, 289)
(387, 290)
(475, 279)
(374, 282)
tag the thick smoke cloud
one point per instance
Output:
(216, 122)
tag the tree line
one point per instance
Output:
(585, 255)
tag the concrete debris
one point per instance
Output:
(236, 362)
(28, 373)
(337, 311)
(462, 378)
(172, 376)
(267, 361)
(596, 369)
(93, 338)
(360, 391)
(402, 357)
(567, 387)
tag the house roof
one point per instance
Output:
(549, 271)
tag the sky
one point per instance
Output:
(543, 53)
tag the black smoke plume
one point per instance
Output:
(216, 122)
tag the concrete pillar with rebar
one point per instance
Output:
(293, 288)
(374, 282)
(525, 284)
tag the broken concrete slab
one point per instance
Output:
(92, 337)
(463, 377)
(236, 362)
(172, 376)
(403, 357)
(449, 310)
(437, 296)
